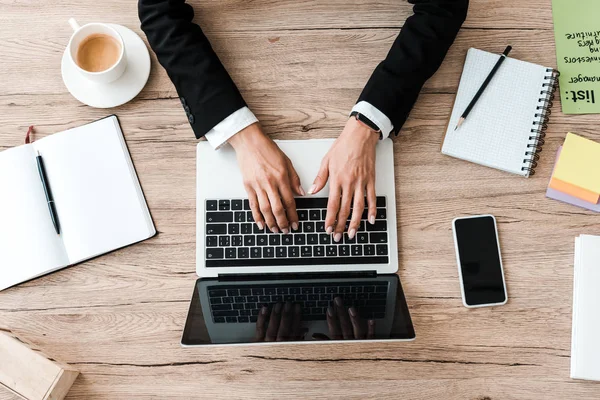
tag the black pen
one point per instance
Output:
(483, 86)
(48, 192)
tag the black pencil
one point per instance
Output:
(483, 86)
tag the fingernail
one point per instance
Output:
(264, 310)
(352, 311)
(260, 225)
(330, 311)
(329, 230)
(351, 233)
(302, 192)
(274, 230)
(285, 230)
(277, 308)
(337, 237)
(372, 219)
(339, 301)
(312, 189)
(287, 307)
(371, 322)
(295, 226)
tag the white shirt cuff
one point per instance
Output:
(224, 130)
(376, 116)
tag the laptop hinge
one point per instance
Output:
(297, 275)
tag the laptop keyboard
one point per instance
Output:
(233, 304)
(234, 240)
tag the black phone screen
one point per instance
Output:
(479, 260)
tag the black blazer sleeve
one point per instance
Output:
(416, 54)
(206, 90)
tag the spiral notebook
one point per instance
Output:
(506, 128)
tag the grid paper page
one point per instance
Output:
(496, 132)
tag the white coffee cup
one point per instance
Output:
(80, 34)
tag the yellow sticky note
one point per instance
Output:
(579, 163)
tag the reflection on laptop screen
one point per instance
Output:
(297, 310)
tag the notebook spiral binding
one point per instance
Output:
(540, 124)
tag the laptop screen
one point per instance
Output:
(297, 310)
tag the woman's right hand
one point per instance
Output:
(269, 178)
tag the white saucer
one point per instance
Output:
(113, 94)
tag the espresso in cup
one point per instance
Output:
(98, 52)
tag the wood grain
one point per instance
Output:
(118, 318)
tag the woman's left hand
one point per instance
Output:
(350, 167)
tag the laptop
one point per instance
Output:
(302, 285)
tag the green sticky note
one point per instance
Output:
(577, 33)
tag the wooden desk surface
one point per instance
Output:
(301, 65)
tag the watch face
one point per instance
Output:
(367, 121)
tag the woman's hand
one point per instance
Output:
(350, 167)
(269, 178)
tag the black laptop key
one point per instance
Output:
(231, 313)
(369, 250)
(362, 238)
(332, 289)
(249, 216)
(262, 240)
(361, 226)
(250, 306)
(320, 226)
(264, 299)
(314, 215)
(382, 250)
(237, 241)
(313, 297)
(282, 290)
(310, 303)
(274, 240)
(356, 250)
(377, 295)
(215, 300)
(257, 291)
(362, 296)
(212, 241)
(319, 289)
(217, 293)
(381, 213)
(256, 229)
(311, 202)
(324, 239)
(211, 205)
(230, 252)
(269, 252)
(302, 214)
(294, 290)
(287, 240)
(219, 216)
(252, 299)
(324, 214)
(249, 241)
(246, 312)
(331, 251)
(378, 226)
(227, 300)
(233, 229)
(307, 290)
(289, 297)
(344, 250)
(253, 319)
(369, 289)
(243, 319)
(380, 202)
(308, 227)
(239, 216)
(322, 303)
(224, 241)
(255, 252)
(306, 251)
(219, 320)
(381, 289)
(344, 289)
(236, 204)
(245, 292)
(299, 239)
(214, 253)
(281, 252)
(224, 205)
(378, 237)
(246, 204)
(231, 319)
(356, 289)
(319, 251)
(294, 251)
(246, 229)
(238, 306)
(277, 298)
(243, 252)
(270, 290)
(347, 239)
(216, 229)
(312, 238)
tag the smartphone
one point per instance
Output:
(479, 261)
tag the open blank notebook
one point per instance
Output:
(98, 198)
(506, 127)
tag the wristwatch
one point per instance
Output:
(360, 117)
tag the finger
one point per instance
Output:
(273, 327)
(285, 327)
(372, 201)
(333, 205)
(281, 221)
(287, 197)
(295, 179)
(359, 206)
(333, 324)
(255, 207)
(342, 314)
(357, 326)
(342, 216)
(321, 179)
(371, 329)
(297, 322)
(265, 209)
(261, 323)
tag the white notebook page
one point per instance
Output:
(496, 132)
(98, 198)
(29, 245)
